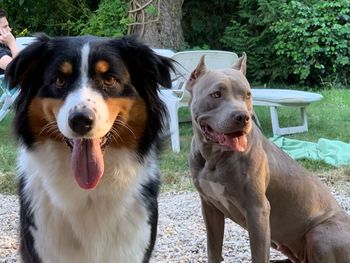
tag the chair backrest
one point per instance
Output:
(214, 59)
(188, 60)
(164, 52)
(22, 42)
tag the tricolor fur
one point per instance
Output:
(88, 120)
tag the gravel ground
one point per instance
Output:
(181, 233)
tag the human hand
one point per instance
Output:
(6, 37)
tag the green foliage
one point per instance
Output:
(299, 41)
(287, 41)
(151, 10)
(245, 27)
(204, 23)
(314, 39)
(47, 17)
(50, 17)
(8, 153)
(110, 19)
(67, 17)
(250, 32)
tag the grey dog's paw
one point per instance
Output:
(281, 261)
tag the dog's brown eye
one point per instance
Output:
(109, 81)
(248, 96)
(216, 94)
(60, 81)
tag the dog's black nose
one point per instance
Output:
(82, 122)
(241, 117)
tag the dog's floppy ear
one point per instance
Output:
(196, 74)
(143, 63)
(147, 71)
(22, 69)
(25, 72)
(241, 64)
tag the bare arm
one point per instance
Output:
(9, 40)
(4, 61)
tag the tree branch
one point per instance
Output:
(141, 7)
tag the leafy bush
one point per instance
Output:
(314, 40)
(288, 41)
(293, 41)
(110, 19)
(250, 31)
(204, 23)
(67, 17)
(50, 17)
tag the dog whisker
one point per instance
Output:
(51, 130)
(49, 127)
(114, 132)
(120, 122)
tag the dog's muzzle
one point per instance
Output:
(233, 136)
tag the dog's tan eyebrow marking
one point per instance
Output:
(102, 66)
(66, 68)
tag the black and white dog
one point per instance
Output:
(88, 120)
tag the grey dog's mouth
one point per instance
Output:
(236, 141)
(104, 141)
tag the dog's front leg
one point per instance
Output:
(258, 224)
(215, 223)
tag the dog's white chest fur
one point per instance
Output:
(75, 225)
(215, 191)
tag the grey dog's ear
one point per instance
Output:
(241, 64)
(196, 73)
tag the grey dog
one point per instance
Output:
(243, 176)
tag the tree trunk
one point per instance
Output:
(162, 29)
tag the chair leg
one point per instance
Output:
(5, 107)
(174, 127)
(256, 120)
(7, 99)
(274, 121)
(277, 130)
(303, 119)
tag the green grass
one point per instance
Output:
(8, 155)
(328, 118)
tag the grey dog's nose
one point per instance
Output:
(82, 122)
(241, 117)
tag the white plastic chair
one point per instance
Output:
(8, 97)
(178, 96)
(22, 42)
(276, 98)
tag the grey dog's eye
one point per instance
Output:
(248, 96)
(216, 94)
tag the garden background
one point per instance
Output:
(300, 44)
(292, 42)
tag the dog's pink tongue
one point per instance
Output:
(236, 143)
(87, 162)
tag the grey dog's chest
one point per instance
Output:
(218, 183)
